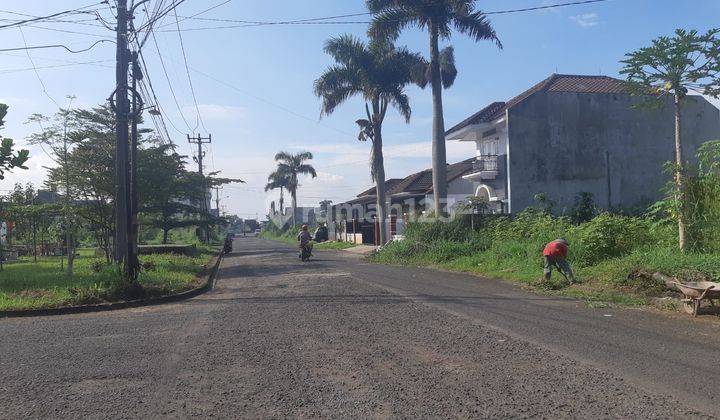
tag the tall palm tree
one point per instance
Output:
(290, 166)
(438, 17)
(379, 73)
(278, 180)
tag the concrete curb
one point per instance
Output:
(111, 306)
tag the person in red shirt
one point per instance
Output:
(555, 254)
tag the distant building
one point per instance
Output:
(570, 134)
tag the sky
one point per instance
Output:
(253, 85)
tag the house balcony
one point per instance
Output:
(485, 167)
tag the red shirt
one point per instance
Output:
(555, 249)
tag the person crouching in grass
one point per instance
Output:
(555, 255)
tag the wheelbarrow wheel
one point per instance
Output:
(691, 306)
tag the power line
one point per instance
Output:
(330, 20)
(289, 111)
(39, 18)
(44, 88)
(187, 71)
(167, 77)
(94, 63)
(36, 47)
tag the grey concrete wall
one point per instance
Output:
(558, 145)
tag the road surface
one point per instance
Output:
(338, 337)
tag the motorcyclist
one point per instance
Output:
(228, 245)
(304, 238)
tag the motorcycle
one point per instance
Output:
(227, 248)
(306, 251)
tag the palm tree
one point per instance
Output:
(438, 17)
(278, 180)
(289, 167)
(379, 73)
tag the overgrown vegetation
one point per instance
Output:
(28, 285)
(289, 236)
(613, 254)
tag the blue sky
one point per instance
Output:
(265, 101)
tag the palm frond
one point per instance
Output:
(448, 71)
(389, 22)
(284, 157)
(477, 26)
(346, 49)
(401, 103)
(335, 86)
(306, 169)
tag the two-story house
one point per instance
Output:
(570, 134)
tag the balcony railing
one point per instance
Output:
(486, 163)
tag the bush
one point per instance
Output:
(609, 236)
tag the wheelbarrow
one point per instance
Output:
(695, 292)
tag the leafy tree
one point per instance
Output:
(9, 158)
(55, 136)
(438, 17)
(379, 73)
(278, 180)
(291, 166)
(168, 192)
(673, 66)
(584, 208)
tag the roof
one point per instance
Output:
(421, 182)
(555, 83)
(389, 184)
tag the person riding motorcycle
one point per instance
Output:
(228, 245)
(304, 238)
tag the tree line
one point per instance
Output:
(78, 193)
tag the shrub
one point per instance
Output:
(609, 236)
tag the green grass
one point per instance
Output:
(29, 285)
(624, 279)
(290, 238)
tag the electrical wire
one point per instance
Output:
(187, 71)
(330, 20)
(42, 83)
(35, 47)
(18, 70)
(39, 18)
(167, 77)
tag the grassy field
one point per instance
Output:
(28, 285)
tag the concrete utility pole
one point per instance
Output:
(200, 154)
(121, 108)
(217, 199)
(199, 140)
(137, 105)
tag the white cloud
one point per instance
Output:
(586, 20)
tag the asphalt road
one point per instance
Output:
(338, 337)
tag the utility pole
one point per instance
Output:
(121, 107)
(133, 261)
(217, 199)
(199, 140)
(200, 154)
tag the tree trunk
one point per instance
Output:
(166, 231)
(679, 181)
(282, 202)
(379, 170)
(439, 160)
(293, 195)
